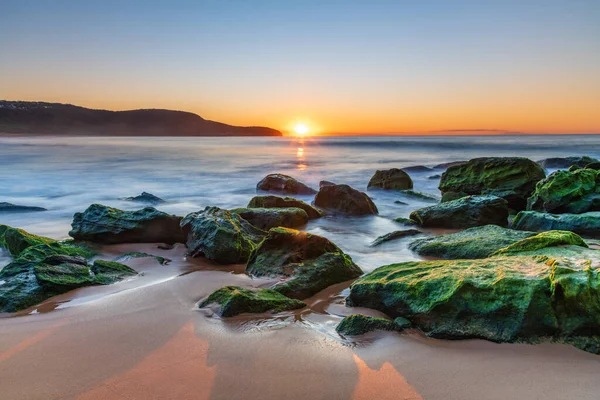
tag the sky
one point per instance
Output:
(374, 67)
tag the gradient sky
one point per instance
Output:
(340, 66)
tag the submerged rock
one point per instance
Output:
(14, 208)
(436, 176)
(267, 218)
(503, 299)
(541, 241)
(307, 263)
(587, 224)
(146, 197)
(567, 192)
(102, 224)
(220, 235)
(405, 221)
(280, 183)
(16, 240)
(394, 236)
(465, 212)
(417, 168)
(419, 195)
(234, 300)
(390, 179)
(472, 243)
(511, 178)
(359, 324)
(284, 202)
(566, 162)
(345, 200)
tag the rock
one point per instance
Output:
(16, 240)
(394, 236)
(14, 208)
(567, 192)
(405, 221)
(280, 183)
(147, 198)
(359, 324)
(220, 235)
(308, 263)
(234, 300)
(325, 183)
(137, 254)
(390, 179)
(107, 225)
(472, 243)
(267, 218)
(503, 299)
(107, 272)
(63, 271)
(345, 200)
(449, 164)
(284, 202)
(542, 241)
(464, 213)
(594, 166)
(44, 270)
(419, 195)
(400, 202)
(417, 168)
(566, 162)
(587, 224)
(449, 196)
(511, 178)
(436, 176)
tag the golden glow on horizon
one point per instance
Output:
(301, 129)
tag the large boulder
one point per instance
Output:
(306, 263)
(47, 269)
(284, 202)
(587, 224)
(267, 218)
(220, 235)
(107, 225)
(511, 178)
(566, 162)
(542, 241)
(234, 300)
(478, 242)
(390, 179)
(280, 183)
(16, 240)
(567, 192)
(465, 212)
(503, 299)
(345, 200)
(16, 208)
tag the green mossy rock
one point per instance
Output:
(593, 165)
(234, 300)
(345, 200)
(465, 212)
(17, 240)
(512, 178)
(267, 218)
(107, 272)
(541, 241)
(284, 202)
(107, 225)
(419, 195)
(587, 224)
(66, 272)
(478, 242)
(307, 263)
(567, 192)
(137, 254)
(567, 162)
(280, 183)
(220, 235)
(405, 221)
(390, 179)
(395, 236)
(503, 299)
(449, 196)
(359, 324)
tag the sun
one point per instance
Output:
(301, 129)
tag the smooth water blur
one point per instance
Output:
(66, 174)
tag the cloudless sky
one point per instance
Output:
(339, 66)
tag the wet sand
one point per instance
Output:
(145, 339)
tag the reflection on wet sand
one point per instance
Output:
(175, 371)
(371, 381)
